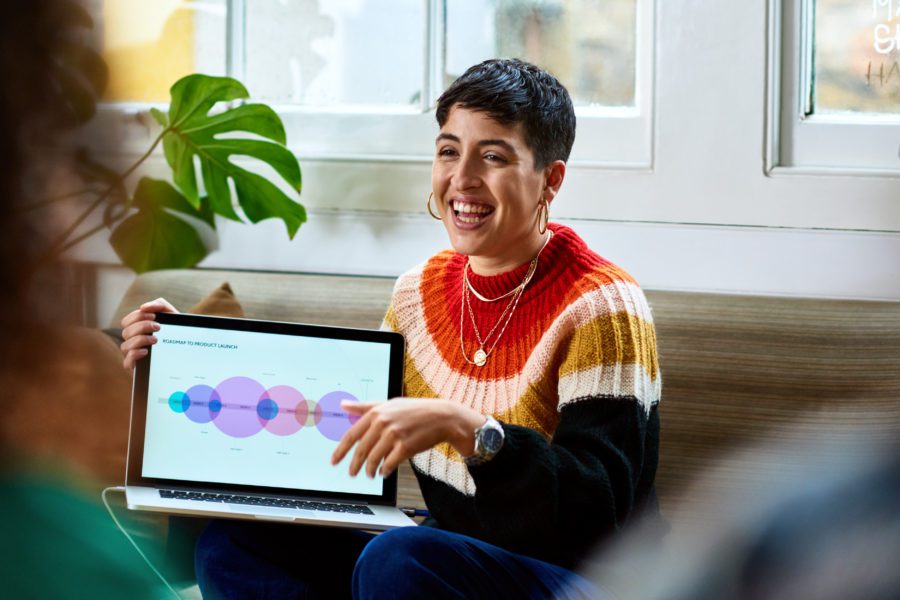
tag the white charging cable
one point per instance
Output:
(130, 539)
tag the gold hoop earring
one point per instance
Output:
(543, 211)
(428, 206)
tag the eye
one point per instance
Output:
(493, 157)
(446, 151)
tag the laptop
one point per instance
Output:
(236, 418)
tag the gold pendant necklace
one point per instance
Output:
(481, 355)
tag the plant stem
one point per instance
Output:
(146, 154)
(62, 244)
(55, 248)
(54, 199)
(81, 238)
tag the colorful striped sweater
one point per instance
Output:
(574, 380)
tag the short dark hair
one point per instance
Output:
(513, 91)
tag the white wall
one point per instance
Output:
(706, 217)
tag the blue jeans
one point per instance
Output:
(239, 559)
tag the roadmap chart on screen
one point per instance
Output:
(257, 409)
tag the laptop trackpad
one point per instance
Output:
(266, 511)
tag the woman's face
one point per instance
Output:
(488, 191)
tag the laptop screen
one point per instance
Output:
(249, 403)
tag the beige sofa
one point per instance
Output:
(737, 370)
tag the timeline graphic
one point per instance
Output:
(241, 407)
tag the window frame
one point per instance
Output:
(798, 142)
(619, 138)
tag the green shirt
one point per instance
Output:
(58, 544)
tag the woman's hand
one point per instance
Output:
(397, 430)
(138, 327)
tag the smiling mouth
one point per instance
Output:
(468, 212)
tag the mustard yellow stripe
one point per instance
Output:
(621, 338)
(414, 385)
(536, 409)
(390, 319)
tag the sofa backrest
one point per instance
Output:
(784, 377)
(737, 370)
(342, 300)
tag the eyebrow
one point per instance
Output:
(494, 142)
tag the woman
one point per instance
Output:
(57, 541)
(531, 383)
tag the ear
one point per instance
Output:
(554, 173)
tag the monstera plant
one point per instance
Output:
(159, 224)
(149, 228)
(156, 236)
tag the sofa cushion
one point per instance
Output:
(221, 302)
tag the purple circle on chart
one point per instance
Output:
(240, 397)
(204, 404)
(292, 410)
(335, 422)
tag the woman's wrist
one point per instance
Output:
(463, 425)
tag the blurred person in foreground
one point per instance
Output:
(823, 525)
(57, 541)
(531, 383)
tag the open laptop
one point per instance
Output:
(237, 418)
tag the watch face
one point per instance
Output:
(493, 440)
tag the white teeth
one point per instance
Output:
(463, 207)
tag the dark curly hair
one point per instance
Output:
(513, 91)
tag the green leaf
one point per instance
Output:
(195, 137)
(206, 212)
(153, 192)
(160, 117)
(155, 238)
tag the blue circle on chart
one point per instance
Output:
(214, 407)
(200, 407)
(267, 409)
(179, 402)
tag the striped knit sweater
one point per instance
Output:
(574, 380)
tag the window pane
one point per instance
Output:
(150, 45)
(857, 56)
(588, 45)
(340, 52)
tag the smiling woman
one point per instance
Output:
(499, 164)
(531, 385)
(489, 190)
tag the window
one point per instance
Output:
(834, 94)
(150, 45)
(357, 79)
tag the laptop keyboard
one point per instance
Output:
(333, 507)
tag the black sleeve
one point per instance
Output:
(555, 500)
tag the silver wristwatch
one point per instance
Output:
(488, 441)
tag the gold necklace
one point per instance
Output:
(481, 355)
(531, 269)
